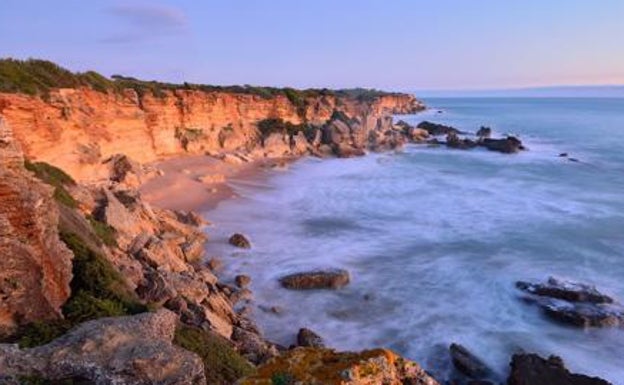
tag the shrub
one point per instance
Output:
(222, 364)
(270, 126)
(56, 178)
(105, 232)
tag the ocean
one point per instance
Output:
(436, 238)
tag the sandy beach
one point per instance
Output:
(200, 183)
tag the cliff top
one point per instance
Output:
(38, 77)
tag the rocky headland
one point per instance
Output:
(98, 286)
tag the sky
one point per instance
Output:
(385, 44)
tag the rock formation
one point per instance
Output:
(35, 267)
(318, 366)
(122, 350)
(531, 369)
(78, 129)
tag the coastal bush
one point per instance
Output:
(56, 178)
(222, 364)
(38, 77)
(187, 135)
(106, 233)
(270, 126)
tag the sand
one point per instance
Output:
(198, 183)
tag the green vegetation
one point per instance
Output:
(38, 77)
(104, 232)
(223, 365)
(98, 290)
(188, 135)
(271, 126)
(282, 379)
(55, 177)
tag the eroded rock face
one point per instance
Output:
(123, 350)
(531, 369)
(317, 366)
(574, 303)
(319, 279)
(35, 267)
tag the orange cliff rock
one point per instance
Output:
(35, 266)
(78, 129)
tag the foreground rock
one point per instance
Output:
(531, 369)
(35, 266)
(314, 366)
(320, 279)
(125, 350)
(574, 303)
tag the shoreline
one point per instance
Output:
(204, 181)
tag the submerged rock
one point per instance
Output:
(531, 369)
(484, 132)
(239, 240)
(436, 129)
(508, 145)
(317, 366)
(467, 363)
(124, 350)
(574, 303)
(454, 141)
(319, 279)
(307, 337)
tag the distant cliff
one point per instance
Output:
(78, 128)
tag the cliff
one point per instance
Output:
(78, 129)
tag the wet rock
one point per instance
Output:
(320, 279)
(508, 145)
(122, 350)
(454, 141)
(438, 129)
(215, 264)
(531, 369)
(484, 132)
(574, 303)
(242, 280)
(569, 291)
(563, 155)
(239, 240)
(467, 363)
(325, 366)
(190, 218)
(306, 337)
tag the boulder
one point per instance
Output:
(566, 290)
(306, 337)
(239, 240)
(574, 303)
(131, 350)
(508, 145)
(319, 279)
(242, 280)
(438, 129)
(467, 363)
(453, 141)
(484, 132)
(319, 366)
(531, 369)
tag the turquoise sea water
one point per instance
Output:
(436, 238)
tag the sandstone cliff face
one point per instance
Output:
(35, 266)
(76, 129)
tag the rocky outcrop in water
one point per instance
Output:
(531, 369)
(123, 350)
(436, 129)
(319, 279)
(306, 337)
(317, 366)
(574, 303)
